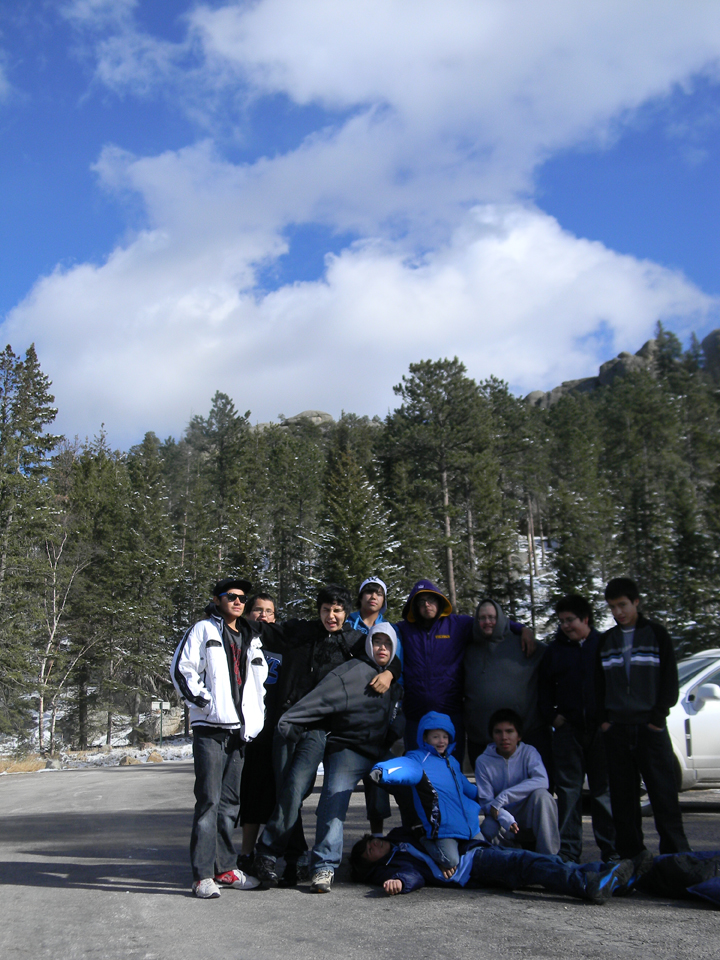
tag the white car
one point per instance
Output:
(694, 721)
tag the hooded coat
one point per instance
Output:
(444, 798)
(499, 675)
(354, 716)
(433, 659)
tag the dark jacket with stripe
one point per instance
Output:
(653, 685)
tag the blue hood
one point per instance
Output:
(425, 586)
(436, 721)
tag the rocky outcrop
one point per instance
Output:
(317, 417)
(620, 366)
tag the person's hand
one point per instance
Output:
(381, 683)
(605, 727)
(527, 639)
(494, 813)
(558, 721)
(449, 872)
(391, 887)
(514, 828)
(651, 726)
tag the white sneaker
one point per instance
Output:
(322, 881)
(237, 879)
(206, 889)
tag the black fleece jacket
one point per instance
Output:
(566, 685)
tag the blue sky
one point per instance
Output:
(292, 205)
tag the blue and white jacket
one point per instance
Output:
(444, 798)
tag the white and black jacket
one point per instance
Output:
(201, 675)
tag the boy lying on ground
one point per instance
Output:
(398, 864)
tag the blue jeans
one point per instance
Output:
(576, 753)
(443, 851)
(218, 760)
(295, 769)
(498, 867)
(343, 770)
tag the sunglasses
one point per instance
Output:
(235, 597)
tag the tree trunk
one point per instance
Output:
(3, 558)
(82, 708)
(53, 721)
(448, 544)
(471, 549)
(532, 583)
(108, 738)
(542, 540)
(531, 535)
(41, 720)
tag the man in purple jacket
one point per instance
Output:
(433, 641)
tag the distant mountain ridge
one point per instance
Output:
(620, 366)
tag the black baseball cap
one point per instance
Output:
(222, 586)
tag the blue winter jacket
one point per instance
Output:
(444, 798)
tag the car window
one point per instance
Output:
(688, 669)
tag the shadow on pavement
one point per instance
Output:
(143, 851)
(138, 878)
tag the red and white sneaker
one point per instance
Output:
(237, 879)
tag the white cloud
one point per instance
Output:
(143, 341)
(445, 112)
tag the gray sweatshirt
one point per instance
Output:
(499, 675)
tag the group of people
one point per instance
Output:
(270, 701)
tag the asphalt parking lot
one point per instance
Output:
(94, 864)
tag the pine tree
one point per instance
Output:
(439, 428)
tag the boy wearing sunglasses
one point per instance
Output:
(219, 670)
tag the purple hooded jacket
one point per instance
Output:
(433, 659)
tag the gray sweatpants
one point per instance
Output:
(538, 813)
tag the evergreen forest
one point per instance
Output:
(107, 555)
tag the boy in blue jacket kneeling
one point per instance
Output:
(445, 800)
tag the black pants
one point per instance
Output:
(634, 751)
(576, 753)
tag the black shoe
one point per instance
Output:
(290, 876)
(642, 864)
(601, 885)
(246, 862)
(264, 869)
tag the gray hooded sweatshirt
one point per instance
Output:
(499, 675)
